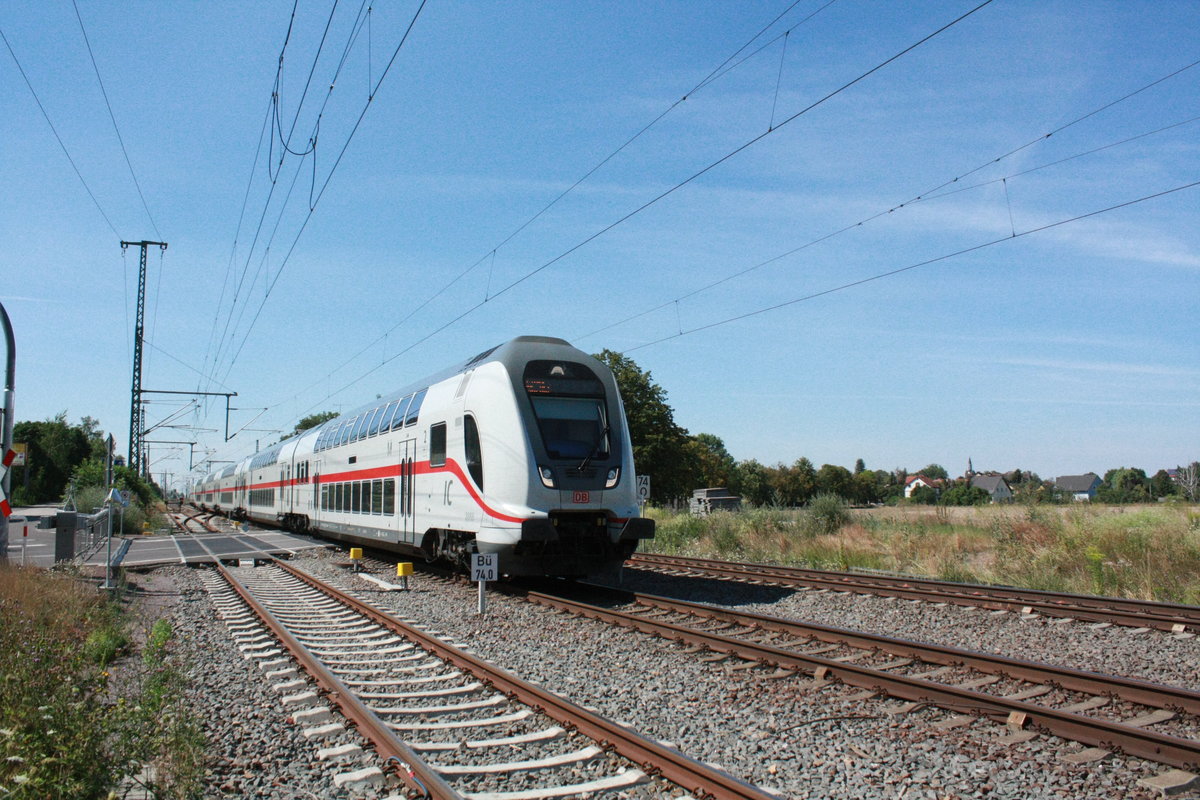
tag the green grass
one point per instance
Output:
(1145, 552)
(68, 729)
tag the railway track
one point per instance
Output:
(194, 521)
(1104, 712)
(1118, 611)
(417, 699)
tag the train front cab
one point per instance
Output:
(582, 470)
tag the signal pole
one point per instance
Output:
(136, 420)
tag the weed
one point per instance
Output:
(62, 735)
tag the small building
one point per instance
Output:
(914, 482)
(995, 485)
(717, 498)
(1082, 488)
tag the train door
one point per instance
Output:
(405, 492)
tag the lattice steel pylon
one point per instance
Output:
(137, 422)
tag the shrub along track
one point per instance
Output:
(1113, 610)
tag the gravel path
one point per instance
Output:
(802, 740)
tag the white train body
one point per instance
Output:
(521, 451)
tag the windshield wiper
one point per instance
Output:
(599, 440)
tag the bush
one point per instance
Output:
(963, 495)
(828, 513)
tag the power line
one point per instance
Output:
(659, 197)
(356, 30)
(740, 149)
(328, 178)
(58, 138)
(715, 74)
(927, 262)
(931, 194)
(113, 117)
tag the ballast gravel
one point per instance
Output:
(789, 735)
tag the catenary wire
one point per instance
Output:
(325, 185)
(664, 194)
(927, 195)
(716, 73)
(226, 335)
(58, 138)
(917, 265)
(116, 129)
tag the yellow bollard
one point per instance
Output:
(355, 557)
(403, 570)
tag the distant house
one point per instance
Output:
(1080, 487)
(914, 482)
(994, 485)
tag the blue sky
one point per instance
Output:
(1063, 348)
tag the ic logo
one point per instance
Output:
(581, 497)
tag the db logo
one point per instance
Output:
(581, 497)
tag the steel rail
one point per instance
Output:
(1132, 690)
(413, 770)
(1162, 748)
(1121, 611)
(653, 757)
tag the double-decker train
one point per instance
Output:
(522, 451)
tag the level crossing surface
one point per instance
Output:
(31, 545)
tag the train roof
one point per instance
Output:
(511, 353)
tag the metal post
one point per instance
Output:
(136, 421)
(6, 429)
(108, 554)
(482, 598)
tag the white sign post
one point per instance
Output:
(643, 491)
(484, 567)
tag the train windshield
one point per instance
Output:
(568, 401)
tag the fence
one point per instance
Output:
(79, 535)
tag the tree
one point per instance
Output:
(660, 446)
(1161, 485)
(935, 471)
(859, 466)
(716, 466)
(834, 479)
(54, 449)
(1189, 480)
(752, 481)
(963, 495)
(312, 421)
(1124, 485)
(865, 487)
(794, 485)
(925, 495)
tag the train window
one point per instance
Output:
(338, 497)
(324, 498)
(377, 497)
(380, 415)
(389, 496)
(437, 445)
(413, 410)
(356, 497)
(399, 413)
(360, 430)
(572, 427)
(344, 432)
(474, 450)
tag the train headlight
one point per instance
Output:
(614, 475)
(547, 476)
